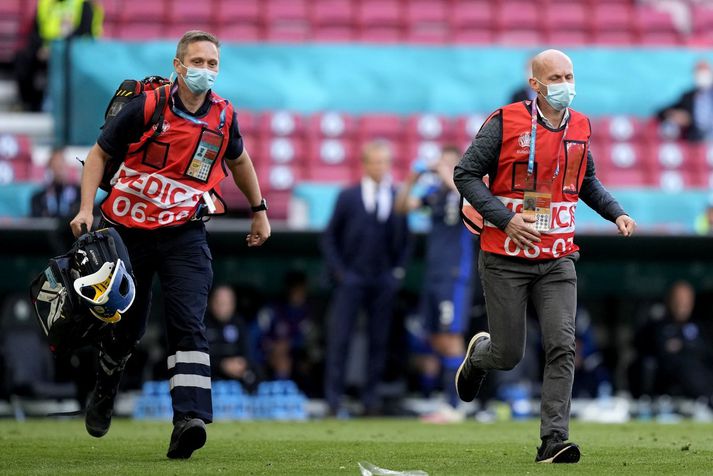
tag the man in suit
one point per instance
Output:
(365, 246)
(692, 115)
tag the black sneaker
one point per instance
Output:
(555, 449)
(100, 406)
(188, 435)
(469, 378)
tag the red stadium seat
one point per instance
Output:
(139, 31)
(248, 122)
(612, 16)
(177, 29)
(240, 32)
(520, 37)
(189, 11)
(243, 11)
(142, 11)
(380, 21)
(466, 127)
(515, 15)
(656, 27)
(333, 20)
(286, 20)
(623, 164)
(284, 150)
(472, 15)
(568, 38)
(331, 125)
(374, 126)
(427, 21)
(282, 123)
(623, 129)
(570, 17)
(702, 17)
(429, 127)
(332, 160)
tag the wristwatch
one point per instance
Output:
(261, 207)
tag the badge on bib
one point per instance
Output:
(205, 155)
(538, 205)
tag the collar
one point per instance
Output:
(202, 111)
(565, 118)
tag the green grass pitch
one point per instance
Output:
(333, 447)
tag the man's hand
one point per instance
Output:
(626, 225)
(84, 217)
(521, 232)
(259, 230)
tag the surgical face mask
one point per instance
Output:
(559, 95)
(704, 79)
(199, 80)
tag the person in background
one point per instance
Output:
(54, 20)
(291, 337)
(704, 222)
(590, 373)
(59, 198)
(365, 246)
(228, 338)
(677, 349)
(691, 116)
(525, 92)
(447, 283)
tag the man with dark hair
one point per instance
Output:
(165, 186)
(447, 283)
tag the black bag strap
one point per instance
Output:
(158, 112)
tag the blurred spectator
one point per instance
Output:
(365, 246)
(54, 20)
(228, 338)
(704, 222)
(589, 370)
(447, 284)
(29, 367)
(674, 354)
(59, 198)
(525, 92)
(291, 342)
(692, 115)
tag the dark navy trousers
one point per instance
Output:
(375, 296)
(181, 259)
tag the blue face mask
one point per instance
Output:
(559, 95)
(199, 80)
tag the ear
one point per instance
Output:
(534, 85)
(178, 68)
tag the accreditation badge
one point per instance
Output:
(205, 155)
(538, 204)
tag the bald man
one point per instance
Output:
(535, 152)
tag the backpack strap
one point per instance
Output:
(158, 112)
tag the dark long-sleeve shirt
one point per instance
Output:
(481, 159)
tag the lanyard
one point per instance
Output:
(192, 119)
(533, 136)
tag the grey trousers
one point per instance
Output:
(552, 286)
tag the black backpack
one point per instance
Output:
(128, 90)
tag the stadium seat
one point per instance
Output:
(332, 160)
(286, 20)
(427, 21)
(702, 19)
(612, 23)
(142, 11)
(568, 38)
(566, 23)
(622, 164)
(331, 125)
(282, 123)
(655, 27)
(283, 150)
(472, 21)
(429, 127)
(520, 37)
(332, 20)
(380, 21)
(189, 11)
(243, 11)
(240, 32)
(517, 15)
(139, 31)
(466, 127)
(385, 126)
(623, 129)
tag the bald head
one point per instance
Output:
(552, 67)
(543, 64)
